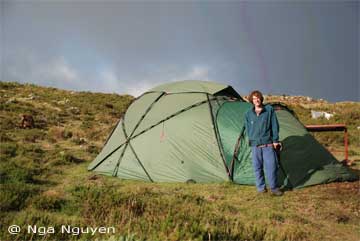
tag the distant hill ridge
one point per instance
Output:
(44, 102)
(284, 97)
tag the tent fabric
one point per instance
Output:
(196, 86)
(231, 123)
(304, 161)
(194, 131)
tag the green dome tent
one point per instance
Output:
(193, 131)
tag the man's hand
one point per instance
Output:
(277, 146)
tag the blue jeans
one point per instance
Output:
(265, 157)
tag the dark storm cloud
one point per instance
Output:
(306, 48)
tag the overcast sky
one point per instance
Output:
(304, 48)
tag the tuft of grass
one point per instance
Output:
(66, 158)
(14, 196)
(8, 149)
(13, 173)
(4, 137)
(93, 149)
(33, 135)
(48, 202)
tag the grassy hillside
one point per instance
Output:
(44, 181)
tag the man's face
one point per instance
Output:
(256, 101)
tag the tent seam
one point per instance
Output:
(136, 156)
(112, 132)
(236, 150)
(132, 132)
(216, 131)
(154, 125)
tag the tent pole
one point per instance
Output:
(217, 139)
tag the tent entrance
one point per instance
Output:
(230, 122)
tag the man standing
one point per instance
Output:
(262, 129)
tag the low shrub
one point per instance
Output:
(59, 133)
(4, 137)
(15, 195)
(32, 135)
(12, 173)
(7, 124)
(93, 149)
(8, 149)
(79, 140)
(33, 152)
(86, 124)
(9, 85)
(48, 202)
(66, 134)
(65, 158)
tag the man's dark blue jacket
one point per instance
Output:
(262, 129)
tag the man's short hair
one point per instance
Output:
(257, 94)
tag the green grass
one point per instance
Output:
(44, 181)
